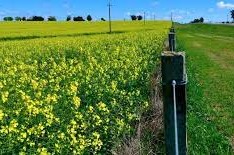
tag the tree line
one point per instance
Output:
(50, 18)
(201, 20)
(69, 18)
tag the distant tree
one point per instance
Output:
(69, 18)
(52, 18)
(133, 17)
(8, 19)
(89, 18)
(18, 19)
(232, 15)
(78, 18)
(29, 19)
(102, 19)
(23, 18)
(139, 17)
(201, 20)
(36, 18)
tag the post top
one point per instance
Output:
(169, 53)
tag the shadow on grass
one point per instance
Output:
(54, 36)
(66, 35)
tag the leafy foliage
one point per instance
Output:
(201, 20)
(36, 18)
(69, 18)
(139, 17)
(23, 18)
(232, 15)
(133, 17)
(8, 18)
(18, 19)
(89, 18)
(52, 18)
(102, 19)
(78, 18)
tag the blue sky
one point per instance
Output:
(183, 10)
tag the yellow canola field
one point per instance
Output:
(75, 95)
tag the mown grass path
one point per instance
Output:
(210, 63)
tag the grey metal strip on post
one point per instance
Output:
(175, 118)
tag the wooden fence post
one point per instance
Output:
(173, 68)
(172, 41)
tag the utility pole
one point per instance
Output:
(172, 20)
(144, 18)
(109, 5)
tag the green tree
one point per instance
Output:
(18, 19)
(69, 18)
(232, 15)
(23, 18)
(139, 17)
(103, 19)
(133, 17)
(8, 18)
(201, 20)
(52, 18)
(89, 18)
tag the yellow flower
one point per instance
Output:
(1, 85)
(1, 115)
(13, 125)
(61, 136)
(23, 135)
(114, 85)
(51, 98)
(73, 122)
(22, 153)
(43, 151)
(90, 109)
(102, 107)
(34, 84)
(38, 94)
(76, 101)
(5, 96)
(73, 87)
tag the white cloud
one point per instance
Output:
(180, 12)
(128, 13)
(224, 5)
(178, 15)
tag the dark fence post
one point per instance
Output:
(173, 69)
(172, 40)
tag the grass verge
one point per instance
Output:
(210, 63)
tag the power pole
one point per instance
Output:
(144, 18)
(109, 5)
(172, 20)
